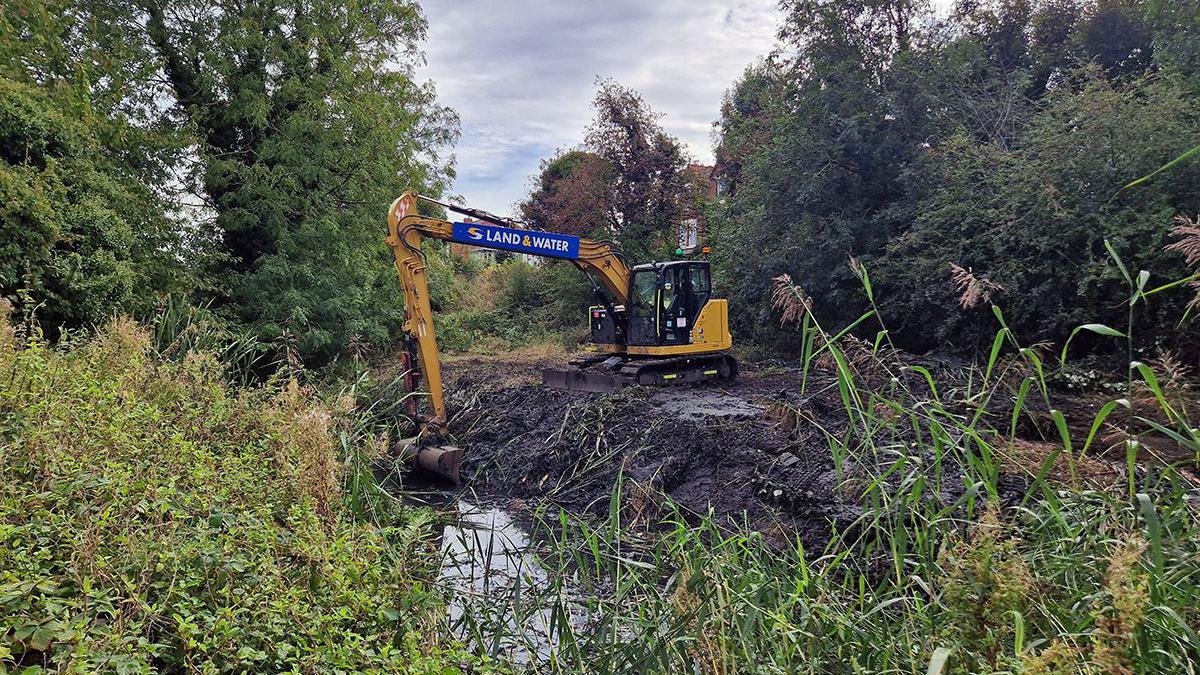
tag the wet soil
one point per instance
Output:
(753, 453)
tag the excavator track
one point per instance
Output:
(605, 373)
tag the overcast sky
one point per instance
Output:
(521, 74)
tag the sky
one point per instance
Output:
(522, 74)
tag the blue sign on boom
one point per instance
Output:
(550, 244)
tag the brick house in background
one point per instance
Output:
(707, 183)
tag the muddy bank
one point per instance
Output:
(755, 452)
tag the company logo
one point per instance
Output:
(549, 244)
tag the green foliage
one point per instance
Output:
(514, 304)
(303, 123)
(153, 518)
(1034, 218)
(182, 329)
(997, 141)
(79, 232)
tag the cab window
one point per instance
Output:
(670, 289)
(699, 279)
(645, 288)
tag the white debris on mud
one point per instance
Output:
(700, 404)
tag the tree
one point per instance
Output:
(818, 139)
(1034, 220)
(647, 194)
(83, 232)
(571, 195)
(308, 122)
(996, 140)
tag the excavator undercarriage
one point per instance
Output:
(606, 373)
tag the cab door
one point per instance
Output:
(686, 288)
(643, 311)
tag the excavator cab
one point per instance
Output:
(669, 331)
(665, 302)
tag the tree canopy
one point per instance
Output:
(295, 124)
(997, 140)
(628, 182)
(84, 224)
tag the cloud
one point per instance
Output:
(521, 74)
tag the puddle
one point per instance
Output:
(501, 600)
(699, 404)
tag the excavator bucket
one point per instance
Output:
(440, 460)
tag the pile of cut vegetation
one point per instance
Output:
(532, 441)
(154, 518)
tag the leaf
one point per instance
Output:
(1120, 265)
(1100, 417)
(1154, 526)
(1186, 155)
(1098, 328)
(937, 662)
(994, 355)
(1019, 405)
(41, 639)
(1142, 279)
(924, 372)
(1152, 382)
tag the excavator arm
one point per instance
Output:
(407, 228)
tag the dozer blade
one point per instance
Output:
(605, 375)
(575, 379)
(441, 460)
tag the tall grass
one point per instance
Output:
(978, 548)
(181, 327)
(154, 518)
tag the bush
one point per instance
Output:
(153, 518)
(1034, 220)
(515, 304)
(997, 139)
(79, 232)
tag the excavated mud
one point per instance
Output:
(755, 454)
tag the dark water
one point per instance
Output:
(500, 599)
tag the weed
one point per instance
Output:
(973, 289)
(155, 518)
(948, 564)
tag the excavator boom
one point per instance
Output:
(406, 229)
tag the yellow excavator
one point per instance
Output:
(654, 324)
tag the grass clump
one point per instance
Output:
(986, 528)
(154, 518)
